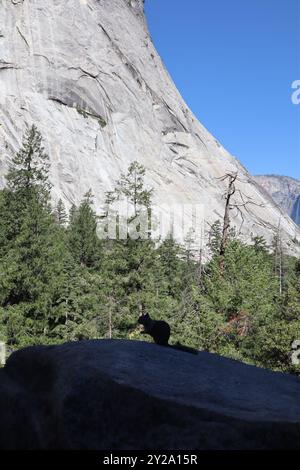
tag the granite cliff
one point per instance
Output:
(285, 191)
(87, 74)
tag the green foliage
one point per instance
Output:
(29, 169)
(215, 235)
(83, 239)
(59, 282)
(248, 284)
(60, 214)
(131, 186)
(38, 275)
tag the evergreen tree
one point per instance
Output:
(33, 256)
(279, 260)
(132, 187)
(61, 214)
(291, 304)
(260, 244)
(27, 186)
(215, 235)
(248, 285)
(171, 267)
(83, 240)
(129, 265)
(72, 214)
(29, 170)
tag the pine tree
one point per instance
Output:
(171, 266)
(83, 240)
(72, 214)
(27, 186)
(132, 187)
(260, 244)
(215, 235)
(292, 293)
(29, 170)
(279, 260)
(61, 214)
(32, 256)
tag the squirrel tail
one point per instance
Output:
(180, 347)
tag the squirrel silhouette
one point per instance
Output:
(160, 332)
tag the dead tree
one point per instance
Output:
(278, 258)
(241, 201)
(226, 223)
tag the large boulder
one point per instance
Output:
(111, 394)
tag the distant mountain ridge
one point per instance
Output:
(285, 191)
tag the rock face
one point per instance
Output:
(285, 191)
(296, 211)
(110, 394)
(87, 73)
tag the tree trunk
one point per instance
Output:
(226, 223)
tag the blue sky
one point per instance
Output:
(234, 62)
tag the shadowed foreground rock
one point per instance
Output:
(134, 395)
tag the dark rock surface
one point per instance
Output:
(135, 395)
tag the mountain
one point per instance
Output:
(87, 74)
(296, 211)
(285, 191)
